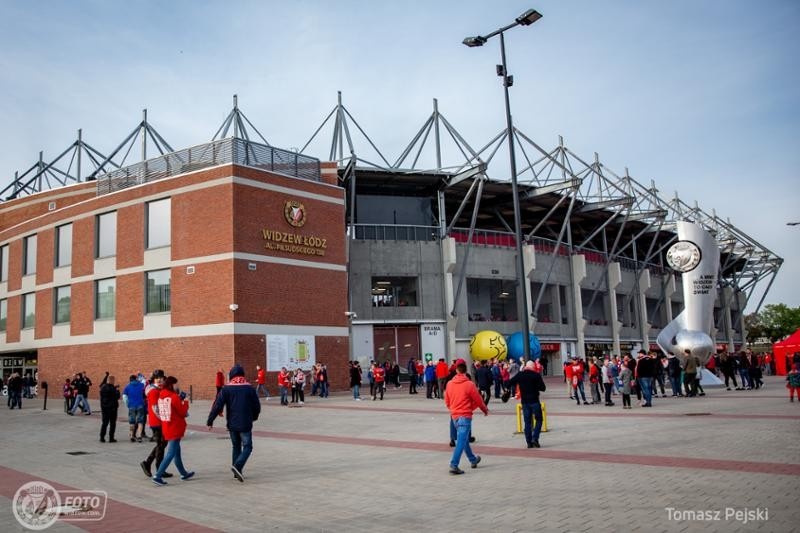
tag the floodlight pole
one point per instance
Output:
(527, 18)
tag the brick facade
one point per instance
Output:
(217, 258)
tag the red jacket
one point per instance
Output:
(283, 379)
(153, 393)
(220, 380)
(594, 373)
(172, 411)
(441, 370)
(461, 397)
(261, 378)
(379, 374)
(568, 372)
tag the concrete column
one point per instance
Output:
(614, 278)
(578, 274)
(529, 262)
(644, 324)
(669, 290)
(727, 322)
(448, 267)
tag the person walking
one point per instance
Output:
(577, 381)
(594, 380)
(133, 395)
(355, 380)
(172, 410)
(109, 407)
(793, 383)
(626, 377)
(66, 390)
(412, 376)
(152, 393)
(242, 404)
(690, 373)
(261, 381)
(81, 387)
(674, 374)
(462, 398)
(645, 373)
(530, 385)
(379, 375)
(484, 379)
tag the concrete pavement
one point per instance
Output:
(339, 465)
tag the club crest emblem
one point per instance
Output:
(295, 213)
(683, 256)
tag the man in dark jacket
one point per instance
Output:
(483, 376)
(109, 405)
(530, 385)
(240, 401)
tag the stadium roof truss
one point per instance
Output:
(567, 203)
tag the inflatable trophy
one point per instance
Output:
(696, 257)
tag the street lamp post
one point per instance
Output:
(526, 19)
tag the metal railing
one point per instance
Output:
(393, 232)
(230, 150)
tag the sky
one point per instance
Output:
(701, 96)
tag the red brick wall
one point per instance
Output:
(130, 302)
(196, 229)
(193, 360)
(203, 297)
(83, 247)
(15, 265)
(130, 236)
(43, 328)
(29, 207)
(82, 309)
(45, 250)
(13, 323)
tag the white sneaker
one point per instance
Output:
(358, 399)
(301, 403)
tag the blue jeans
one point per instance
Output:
(463, 427)
(284, 395)
(261, 387)
(323, 389)
(532, 410)
(173, 453)
(356, 391)
(80, 400)
(647, 389)
(675, 383)
(579, 389)
(242, 443)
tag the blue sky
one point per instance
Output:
(700, 96)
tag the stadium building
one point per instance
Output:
(236, 250)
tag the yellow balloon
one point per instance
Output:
(486, 345)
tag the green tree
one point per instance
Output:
(779, 320)
(754, 327)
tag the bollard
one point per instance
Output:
(191, 391)
(44, 386)
(519, 418)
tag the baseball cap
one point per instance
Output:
(460, 361)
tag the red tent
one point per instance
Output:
(783, 352)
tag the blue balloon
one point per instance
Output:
(516, 349)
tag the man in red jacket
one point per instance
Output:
(173, 407)
(261, 381)
(152, 392)
(461, 397)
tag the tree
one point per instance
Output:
(779, 320)
(754, 327)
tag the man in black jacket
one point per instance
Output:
(530, 385)
(109, 405)
(241, 404)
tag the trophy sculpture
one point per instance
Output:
(696, 257)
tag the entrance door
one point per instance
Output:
(396, 344)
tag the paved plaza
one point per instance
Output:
(340, 465)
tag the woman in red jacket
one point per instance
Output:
(172, 410)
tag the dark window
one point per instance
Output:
(394, 291)
(28, 310)
(62, 304)
(491, 299)
(158, 291)
(105, 298)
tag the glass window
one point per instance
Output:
(546, 310)
(159, 216)
(492, 299)
(394, 292)
(105, 298)
(28, 310)
(29, 255)
(64, 245)
(62, 304)
(3, 314)
(158, 294)
(106, 244)
(593, 307)
(4, 263)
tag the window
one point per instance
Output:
(105, 299)
(157, 290)
(394, 292)
(64, 245)
(159, 216)
(3, 314)
(28, 310)
(29, 255)
(491, 299)
(546, 310)
(4, 263)
(106, 245)
(62, 304)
